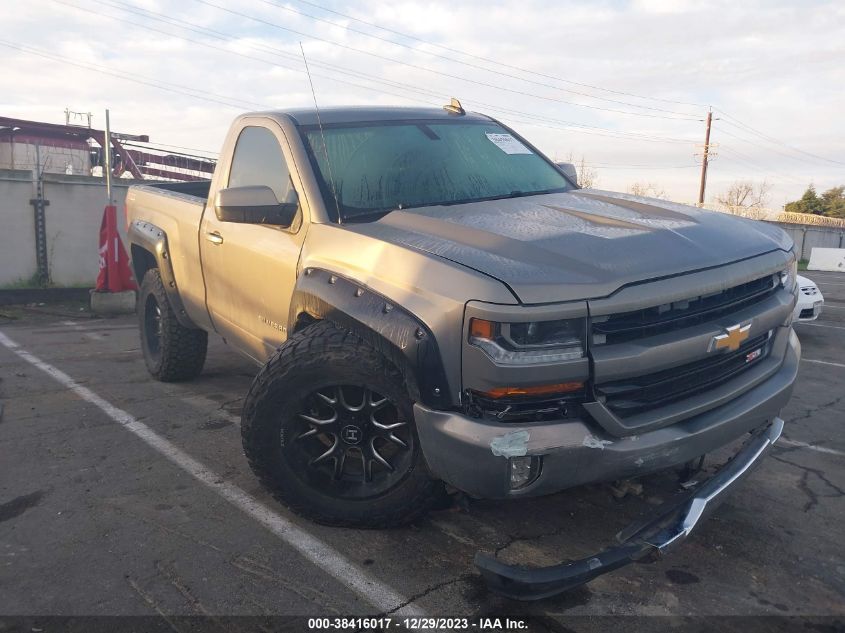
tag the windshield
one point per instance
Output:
(378, 167)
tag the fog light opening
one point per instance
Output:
(524, 470)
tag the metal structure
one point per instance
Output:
(141, 161)
(39, 203)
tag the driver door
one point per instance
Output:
(250, 269)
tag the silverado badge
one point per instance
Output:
(733, 337)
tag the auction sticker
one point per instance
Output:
(507, 143)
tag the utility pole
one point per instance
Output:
(704, 159)
(107, 158)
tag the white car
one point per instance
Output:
(810, 301)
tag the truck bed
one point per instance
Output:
(176, 208)
(194, 189)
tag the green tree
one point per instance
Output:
(833, 201)
(809, 203)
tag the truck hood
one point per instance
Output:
(581, 244)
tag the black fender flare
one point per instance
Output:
(152, 239)
(396, 333)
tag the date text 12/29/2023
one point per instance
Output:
(417, 624)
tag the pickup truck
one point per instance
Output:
(432, 302)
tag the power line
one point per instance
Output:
(453, 50)
(543, 122)
(218, 99)
(231, 52)
(738, 157)
(612, 166)
(451, 59)
(438, 72)
(493, 61)
(220, 35)
(776, 141)
(764, 148)
(585, 128)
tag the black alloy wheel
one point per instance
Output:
(351, 442)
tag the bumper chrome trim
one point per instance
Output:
(667, 527)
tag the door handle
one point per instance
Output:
(214, 238)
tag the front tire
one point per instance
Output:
(328, 427)
(172, 351)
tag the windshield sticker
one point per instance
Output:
(507, 143)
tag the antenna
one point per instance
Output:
(322, 136)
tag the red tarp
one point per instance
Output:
(115, 274)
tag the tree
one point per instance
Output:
(744, 195)
(809, 203)
(587, 176)
(833, 202)
(647, 189)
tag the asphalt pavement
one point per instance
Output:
(120, 495)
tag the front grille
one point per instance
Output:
(807, 313)
(810, 291)
(644, 393)
(629, 326)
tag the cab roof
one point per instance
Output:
(363, 114)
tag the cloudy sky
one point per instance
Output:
(625, 85)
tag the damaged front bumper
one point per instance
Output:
(475, 455)
(639, 542)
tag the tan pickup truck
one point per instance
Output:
(432, 300)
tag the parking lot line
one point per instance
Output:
(821, 362)
(378, 594)
(812, 447)
(832, 327)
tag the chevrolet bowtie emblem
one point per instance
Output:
(733, 337)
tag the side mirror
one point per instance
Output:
(255, 204)
(569, 171)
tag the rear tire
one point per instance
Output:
(328, 427)
(172, 351)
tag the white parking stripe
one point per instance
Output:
(381, 596)
(821, 362)
(812, 447)
(832, 327)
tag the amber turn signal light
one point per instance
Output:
(542, 390)
(479, 328)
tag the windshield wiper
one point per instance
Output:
(368, 214)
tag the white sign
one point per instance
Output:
(507, 143)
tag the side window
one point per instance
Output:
(258, 160)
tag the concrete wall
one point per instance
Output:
(72, 221)
(17, 232)
(807, 237)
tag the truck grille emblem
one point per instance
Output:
(733, 337)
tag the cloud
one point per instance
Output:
(775, 66)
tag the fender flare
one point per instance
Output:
(393, 331)
(153, 240)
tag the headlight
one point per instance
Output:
(789, 276)
(529, 342)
